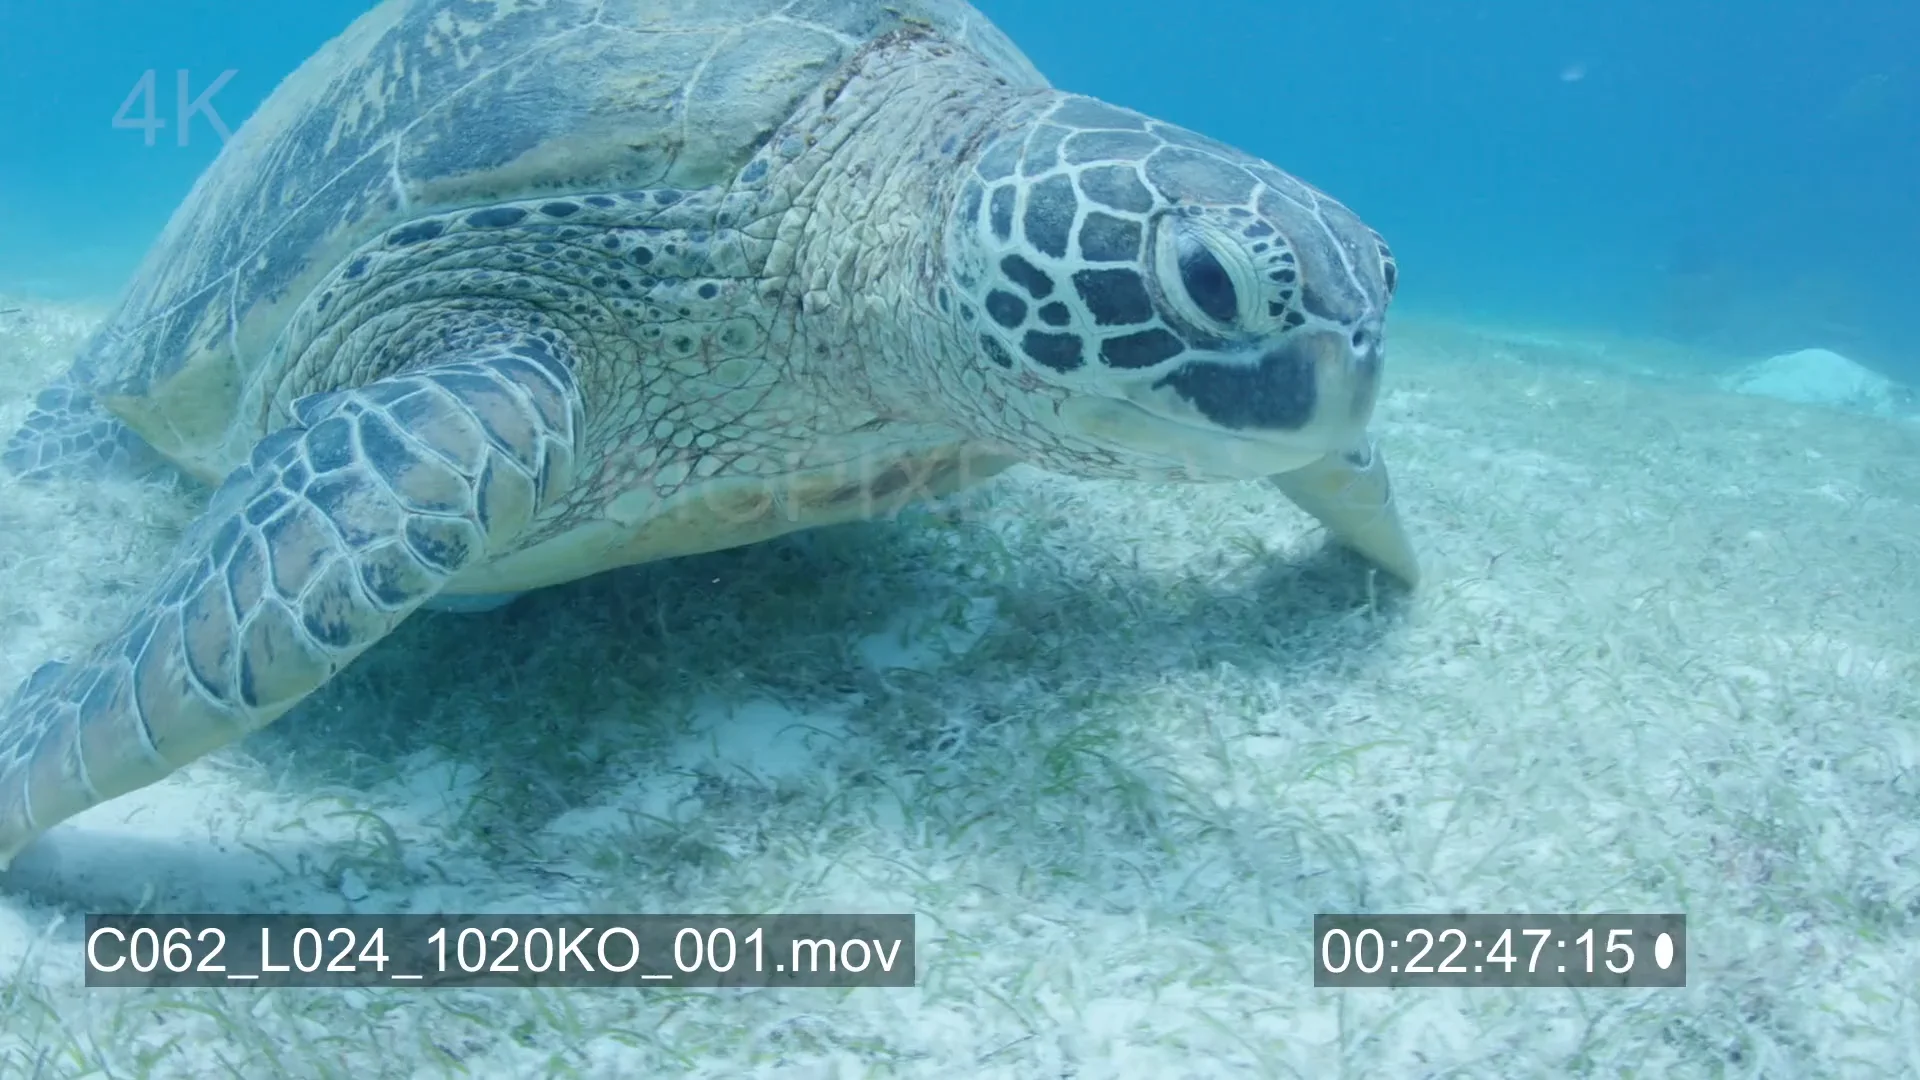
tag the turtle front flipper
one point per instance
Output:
(335, 530)
(70, 434)
(1352, 496)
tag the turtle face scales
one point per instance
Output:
(1190, 307)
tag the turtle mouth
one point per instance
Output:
(1196, 447)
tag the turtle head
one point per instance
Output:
(1187, 308)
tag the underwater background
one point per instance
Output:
(1117, 743)
(1734, 175)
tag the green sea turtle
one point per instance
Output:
(494, 294)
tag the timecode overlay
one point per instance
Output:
(500, 950)
(1500, 950)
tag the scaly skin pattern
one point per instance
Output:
(926, 274)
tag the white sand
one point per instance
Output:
(1824, 377)
(1114, 744)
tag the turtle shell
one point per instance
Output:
(424, 106)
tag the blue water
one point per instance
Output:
(1741, 174)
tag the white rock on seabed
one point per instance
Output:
(1824, 377)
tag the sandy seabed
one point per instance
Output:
(1115, 745)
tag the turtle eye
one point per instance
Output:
(1206, 281)
(1389, 266)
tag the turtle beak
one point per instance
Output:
(1349, 492)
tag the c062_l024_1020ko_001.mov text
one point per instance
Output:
(843, 951)
(481, 951)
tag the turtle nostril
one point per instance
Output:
(1368, 363)
(1362, 338)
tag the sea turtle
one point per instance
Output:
(494, 294)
